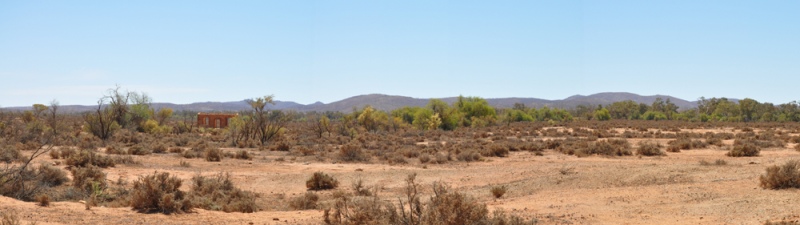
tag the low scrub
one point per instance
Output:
(782, 177)
(89, 179)
(352, 152)
(685, 144)
(304, 202)
(219, 193)
(744, 148)
(321, 181)
(159, 192)
(612, 147)
(647, 148)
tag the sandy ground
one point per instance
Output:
(554, 188)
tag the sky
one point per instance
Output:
(308, 51)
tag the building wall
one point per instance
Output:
(213, 120)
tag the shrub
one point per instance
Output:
(321, 181)
(243, 154)
(159, 192)
(138, 150)
(304, 202)
(88, 178)
(213, 155)
(782, 177)
(448, 207)
(359, 189)
(499, 191)
(84, 158)
(352, 152)
(468, 156)
(219, 193)
(743, 148)
(718, 162)
(495, 150)
(612, 147)
(160, 148)
(51, 176)
(43, 200)
(424, 158)
(9, 154)
(647, 148)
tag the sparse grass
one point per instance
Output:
(321, 181)
(782, 177)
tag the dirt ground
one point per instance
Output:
(553, 188)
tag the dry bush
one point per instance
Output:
(159, 192)
(359, 189)
(84, 158)
(51, 176)
(468, 156)
(282, 146)
(115, 149)
(718, 162)
(219, 193)
(213, 155)
(797, 147)
(352, 153)
(499, 191)
(43, 200)
(139, 149)
(611, 147)
(89, 178)
(744, 147)
(685, 144)
(175, 149)
(424, 158)
(243, 154)
(9, 154)
(497, 150)
(647, 148)
(304, 202)
(321, 181)
(453, 208)
(782, 177)
(160, 147)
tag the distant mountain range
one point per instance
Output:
(391, 102)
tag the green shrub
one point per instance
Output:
(321, 181)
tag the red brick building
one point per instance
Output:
(214, 120)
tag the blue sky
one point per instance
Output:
(307, 51)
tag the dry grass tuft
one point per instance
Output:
(321, 181)
(782, 177)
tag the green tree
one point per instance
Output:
(602, 114)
